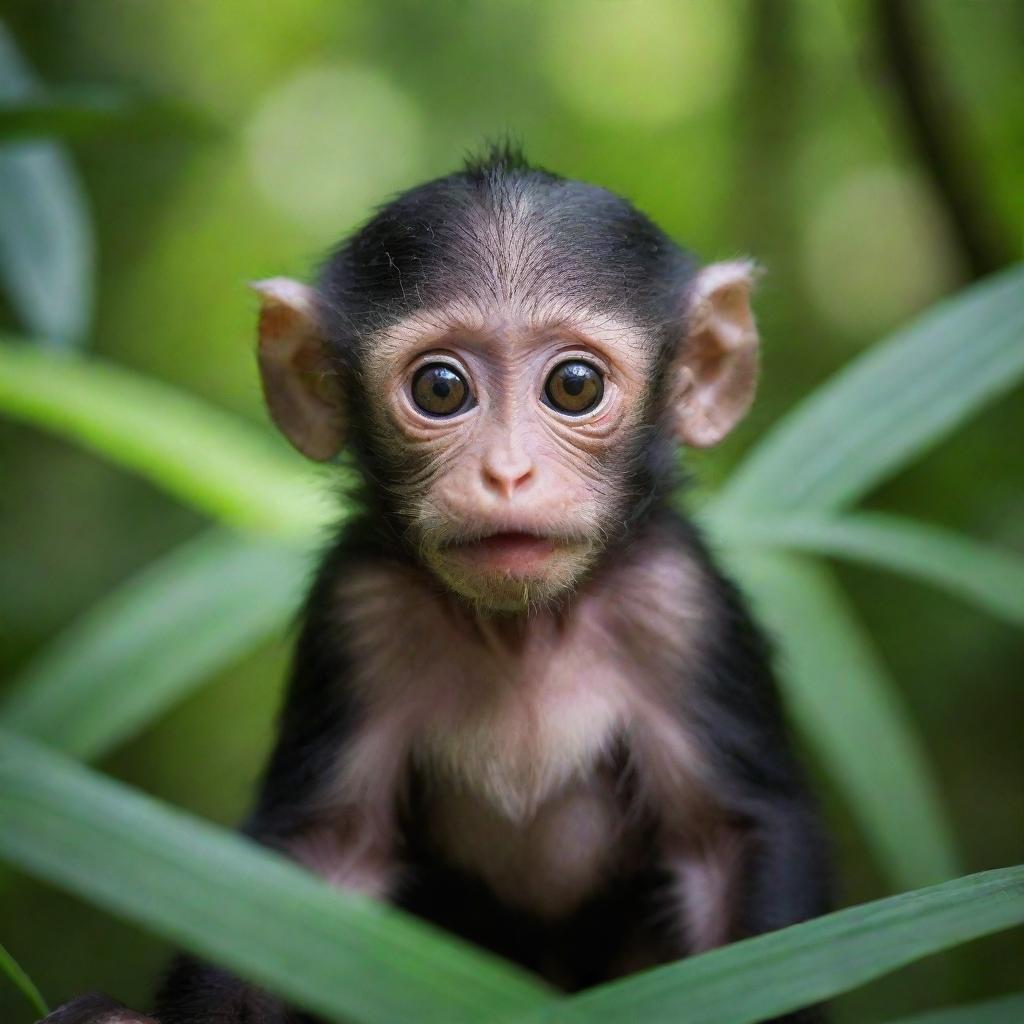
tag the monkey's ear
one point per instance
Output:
(300, 388)
(716, 374)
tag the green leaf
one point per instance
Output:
(355, 960)
(759, 978)
(154, 640)
(890, 405)
(991, 578)
(242, 906)
(46, 242)
(849, 712)
(203, 456)
(14, 971)
(83, 112)
(1007, 1010)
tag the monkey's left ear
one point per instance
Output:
(716, 374)
(301, 390)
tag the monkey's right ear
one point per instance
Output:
(302, 392)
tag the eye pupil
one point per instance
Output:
(439, 390)
(574, 387)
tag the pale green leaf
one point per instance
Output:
(851, 715)
(242, 906)
(200, 454)
(46, 243)
(884, 409)
(989, 577)
(758, 978)
(154, 640)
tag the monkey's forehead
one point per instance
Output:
(531, 250)
(509, 327)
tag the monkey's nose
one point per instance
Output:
(505, 474)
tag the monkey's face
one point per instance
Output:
(506, 435)
(508, 444)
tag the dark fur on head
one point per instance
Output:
(496, 230)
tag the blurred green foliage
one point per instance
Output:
(767, 127)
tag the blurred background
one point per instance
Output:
(868, 154)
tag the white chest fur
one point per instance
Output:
(532, 725)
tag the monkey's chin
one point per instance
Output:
(511, 585)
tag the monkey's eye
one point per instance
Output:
(574, 387)
(439, 390)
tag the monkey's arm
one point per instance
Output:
(768, 866)
(765, 868)
(197, 993)
(785, 877)
(314, 729)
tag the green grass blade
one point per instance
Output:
(989, 577)
(890, 405)
(850, 713)
(153, 640)
(759, 978)
(251, 910)
(1006, 1010)
(203, 456)
(22, 982)
(46, 240)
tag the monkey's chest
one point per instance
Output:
(522, 792)
(547, 862)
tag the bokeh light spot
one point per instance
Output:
(331, 143)
(644, 62)
(876, 250)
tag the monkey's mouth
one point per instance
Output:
(512, 552)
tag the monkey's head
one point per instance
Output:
(513, 359)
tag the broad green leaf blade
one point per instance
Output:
(87, 111)
(10, 967)
(154, 640)
(890, 405)
(247, 908)
(850, 714)
(203, 456)
(759, 978)
(991, 578)
(46, 243)
(1006, 1010)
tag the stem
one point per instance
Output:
(928, 117)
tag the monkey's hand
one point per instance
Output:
(95, 1009)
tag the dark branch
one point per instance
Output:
(928, 115)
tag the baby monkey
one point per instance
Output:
(525, 704)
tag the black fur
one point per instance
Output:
(501, 228)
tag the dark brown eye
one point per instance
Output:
(439, 390)
(574, 387)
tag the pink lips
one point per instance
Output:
(511, 552)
